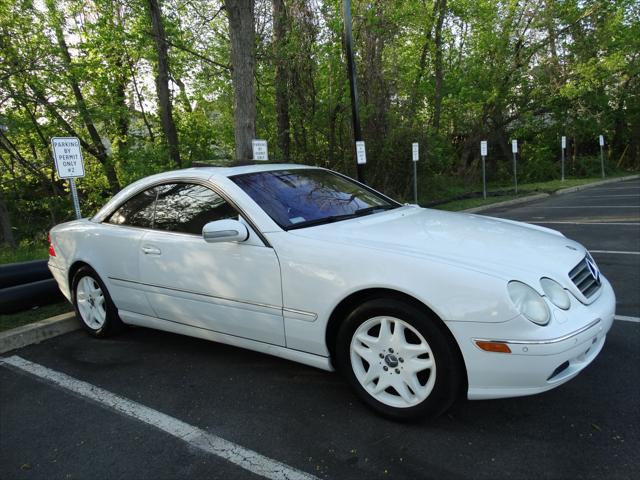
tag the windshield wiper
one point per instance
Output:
(368, 210)
(336, 218)
(320, 221)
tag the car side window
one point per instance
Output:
(137, 211)
(186, 208)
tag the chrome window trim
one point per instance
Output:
(195, 180)
(542, 342)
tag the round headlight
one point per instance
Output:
(554, 291)
(529, 302)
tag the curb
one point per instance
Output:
(538, 196)
(38, 331)
(506, 203)
(595, 184)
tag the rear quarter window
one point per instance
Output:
(137, 211)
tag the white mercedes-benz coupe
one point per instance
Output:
(416, 307)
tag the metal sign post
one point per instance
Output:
(67, 156)
(563, 144)
(353, 84)
(514, 149)
(74, 197)
(601, 139)
(415, 147)
(260, 150)
(483, 154)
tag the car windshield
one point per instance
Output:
(305, 197)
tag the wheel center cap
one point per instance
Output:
(391, 360)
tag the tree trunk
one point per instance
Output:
(162, 83)
(5, 224)
(145, 120)
(414, 101)
(437, 100)
(241, 17)
(184, 98)
(281, 78)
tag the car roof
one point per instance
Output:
(205, 173)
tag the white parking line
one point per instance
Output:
(614, 251)
(594, 206)
(635, 224)
(614, 195)
(240, 456)
(627, 319)
(617, 189)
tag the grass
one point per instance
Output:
(465, 203)
(14, 320)
(25, 251)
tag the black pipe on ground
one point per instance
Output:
(29, 295)
(13, 274)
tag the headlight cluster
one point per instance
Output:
(529, 302)
(556, 294)
(532, 305)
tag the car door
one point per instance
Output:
(117, 246)
(232, 287)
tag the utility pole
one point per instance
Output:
(353, 87)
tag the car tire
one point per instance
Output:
(93, 305)
(400, 359)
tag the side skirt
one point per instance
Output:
(305, 358)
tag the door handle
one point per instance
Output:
(148, 250)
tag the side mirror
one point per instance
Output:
(225, 231)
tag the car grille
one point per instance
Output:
(583, 279)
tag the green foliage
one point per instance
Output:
(26, 250)
(15, 320)
(510, 69)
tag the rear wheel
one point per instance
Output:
(93, 304)
(398, 359)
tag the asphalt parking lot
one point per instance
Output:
(310, 420)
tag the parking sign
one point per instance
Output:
(260, 150)
(67, 156)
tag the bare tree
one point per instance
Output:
(5, 224)
(437, 100)
(281, 77)
(162, 82)
(241, 15)
(98, 150)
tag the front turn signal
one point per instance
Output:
(497, 347)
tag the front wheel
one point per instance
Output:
(93, 304)
(399, 359)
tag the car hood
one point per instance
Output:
(504, 248)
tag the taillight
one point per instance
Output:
(52, 252)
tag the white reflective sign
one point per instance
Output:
(601, 141)
(260, 151)
(416, 151)
(564, 142)
(514, 146)
(67, 156)
(361, 153)
(483, 148)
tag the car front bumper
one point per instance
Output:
(540, 362)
